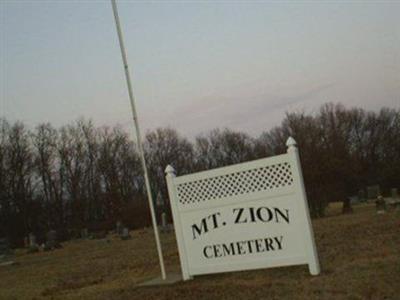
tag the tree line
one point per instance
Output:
(81, 176)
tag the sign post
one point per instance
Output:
(139, 139)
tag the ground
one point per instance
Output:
(359, 256)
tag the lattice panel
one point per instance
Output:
(234, 184)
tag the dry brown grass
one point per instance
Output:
(359, 255)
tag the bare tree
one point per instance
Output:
(18, 167)
(48, 169)
(5, 204)
(72, 157)
(120, 171)
(162, 147)
(80, 175)
(220, 148)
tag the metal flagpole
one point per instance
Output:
(139, 139)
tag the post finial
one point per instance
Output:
(291, 143)
(169, 170)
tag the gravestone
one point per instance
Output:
(165, 227)
(84, 233)
(373, 191)
(5, 248)
(32, 240)
(6, 253)
(395, 193)
(361, 195)
(380, 205)
(159, 200)
(354, 199)
(125, 234)
(395, 200)
(164, 219)
(347, 208)
(33, 246)
(118, 227)
(51, 241)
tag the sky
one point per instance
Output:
(196, 65)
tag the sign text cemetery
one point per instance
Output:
(246, 216)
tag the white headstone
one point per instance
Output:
(164, 220)
(32, 240)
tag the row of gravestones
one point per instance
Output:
(6, 252)
(383, 205)
(123, 233)
(53, 243)
(50, 244)
(372, 192)
(165, 227)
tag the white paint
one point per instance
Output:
(258, 189)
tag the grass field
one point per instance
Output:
(359, 256)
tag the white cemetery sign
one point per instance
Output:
(246, 216)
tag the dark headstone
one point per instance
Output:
(361, 195)
(5, 247)
(347, 209)
(395, 193)
(5, 251)
(373, 191)
(33, 249)
(380, 205)
(51, 241)
(354, 200)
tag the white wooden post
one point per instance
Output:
(312, 256)
(170, 175)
